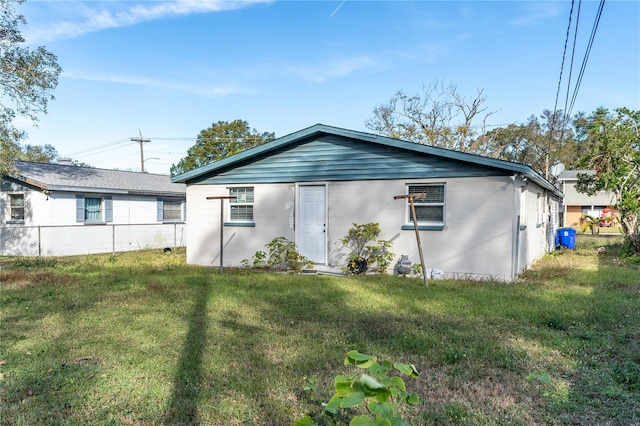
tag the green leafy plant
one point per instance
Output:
(589, 223)
(367, 251)
(282, 255)
(376, 389)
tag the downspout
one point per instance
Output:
(515, 229)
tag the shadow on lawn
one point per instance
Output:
(183, 405)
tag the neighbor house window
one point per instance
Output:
(429, 208)
(241, 209)
(16, 202)
(92, 209)
(170, 210)
(593, 211)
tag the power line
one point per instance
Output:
(564, 53)
(73, 154)
(587, 53)
(573, 53)
(88, 154)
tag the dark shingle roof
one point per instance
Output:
(59, 177)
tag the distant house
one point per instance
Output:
(577, 204)
(58, 209)
(481, 218)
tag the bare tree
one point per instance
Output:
(437, 116)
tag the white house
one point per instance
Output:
(59, 209)
(482, 218)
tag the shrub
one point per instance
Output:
(282, 256)
(366, 250)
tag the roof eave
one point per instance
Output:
(383, 140)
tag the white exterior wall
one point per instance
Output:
(60, 208)
(477, 241)
(538, 224)
(273, 217)
(36, 206)
(50, 227)
(127, 209)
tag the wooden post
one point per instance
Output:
(221, 198)
(415, 227)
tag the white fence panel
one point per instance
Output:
(83, 239)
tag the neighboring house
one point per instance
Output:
(577, 204)
(59, 209)
(481, 218)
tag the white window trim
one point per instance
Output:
(161, 209)
(241, 222)
(106, 209)
(11, 207)
(426, 225)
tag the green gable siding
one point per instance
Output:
(328, 157)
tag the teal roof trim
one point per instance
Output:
(346, 167)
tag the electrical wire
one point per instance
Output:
(564, 53)
(573, 54)
(586, 56)
(71, 154)
(88, 154)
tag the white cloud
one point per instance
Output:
(201, 89)
(88, 17)
(319, 73)
(537, 12)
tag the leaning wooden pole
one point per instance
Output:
(222, 198)
(415, 227)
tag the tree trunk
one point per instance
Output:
(629, 225)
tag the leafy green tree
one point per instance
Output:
(27, 81)
(219, 141)
(612, 149)
(39, 153)
(540, 143)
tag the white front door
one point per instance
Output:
(312, 235)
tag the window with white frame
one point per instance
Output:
(92, 209)
(170, 210)
(241, 209)
(16, 205)
(430, 208)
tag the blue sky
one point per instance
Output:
(169, 69)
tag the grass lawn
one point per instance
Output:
(141, 338)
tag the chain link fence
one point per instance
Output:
(42, 241)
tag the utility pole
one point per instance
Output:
(141, 141)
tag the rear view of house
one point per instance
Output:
(58, 209)
(481, 217)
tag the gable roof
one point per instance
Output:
(412, 149)
(67, 178)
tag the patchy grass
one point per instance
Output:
(141, 338)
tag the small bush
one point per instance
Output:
(282, 256)
(376, 390)
(367, 252)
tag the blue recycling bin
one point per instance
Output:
(566, 237)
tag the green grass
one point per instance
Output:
(141, 338)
